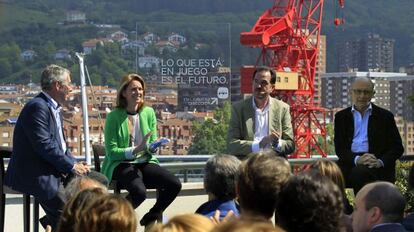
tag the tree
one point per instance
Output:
(210, 136)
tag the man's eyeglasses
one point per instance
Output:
(362, 91)
(262, 83)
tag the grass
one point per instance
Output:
(12, 16)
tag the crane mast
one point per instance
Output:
(288, 35)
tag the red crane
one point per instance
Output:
(288, 36)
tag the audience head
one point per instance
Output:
(411, 177)
(220, 176)
(72, 211)
(124, 88)
(261, 177)
(246, 225)
(185, 223)
(80, 183)
(331, 170)
(310, 202)
(377, 203)
(106, 214)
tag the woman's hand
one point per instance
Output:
(143, 145)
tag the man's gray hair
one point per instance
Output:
(364, 79)
(220, 176)
(79, 183)
(52, 73)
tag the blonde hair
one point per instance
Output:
(247, 225)
(121, 102)
(185, 223)
(331, 170)
(72, 211)
(106, 214)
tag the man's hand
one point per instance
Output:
(267, 141)
(369, 160)
(81, 168)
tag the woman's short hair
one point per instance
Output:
(108, 213)
(185, 223)
(121, 102)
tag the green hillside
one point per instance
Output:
(34, 24)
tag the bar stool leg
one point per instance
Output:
(26, 212)
(35, 215)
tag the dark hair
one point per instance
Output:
(260, 180)
(310, 202)
(388, 198)
(267, 69)
(220, 176)
(126, 80)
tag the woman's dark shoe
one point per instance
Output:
(150, 218)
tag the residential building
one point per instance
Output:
(149, 62)
(28, 55)
(176, 39)
(63, 54)
(371, 53)
(74, 17)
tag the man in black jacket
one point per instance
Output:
(367, 140)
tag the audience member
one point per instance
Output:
(379, 207)
(75, 205)
(185, 223)
(408, 221)
(40, 157)
(367, 140)
(331, 170)
(108, 213)
(129, 128)
(310, 202)
(246, 225)
(261, 121)
(260, 180)
(220, 176)
(80, 183)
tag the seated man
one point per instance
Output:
(220, 176)
(367, 140)
(379, 206)
(261, 178)
(260, 122)
(41, 160)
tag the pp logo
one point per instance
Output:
(223, 93)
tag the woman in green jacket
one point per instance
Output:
(129, 128)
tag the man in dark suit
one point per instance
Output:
(379, 207)
(367, 140)
(40, 157)
(260, 122)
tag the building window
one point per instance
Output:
(286, 80)
(5, 134)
